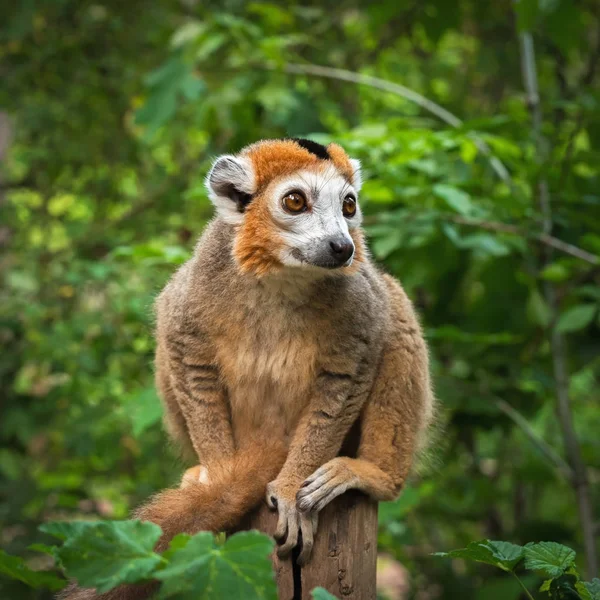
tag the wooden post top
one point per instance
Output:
(344, 556)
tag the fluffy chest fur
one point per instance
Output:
(267, 350)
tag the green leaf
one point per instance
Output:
(468, 150)
(59, 529)
(485, 243)
(576, 318)
(174, 78)
(499, 554)
(566, 587)
(104, 554)
(240, 568)
(538, 311)
(549, 557)
(593, 588)
(556, 272)
(43, 548)
(320, 593)
(387, 243)
(144, 410)
(177, 543)
(187, 33)
(14, 567)
(456, 199)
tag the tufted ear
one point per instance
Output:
(230, 185)
(356, 174)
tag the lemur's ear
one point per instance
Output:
(230, 186)
(356, 174)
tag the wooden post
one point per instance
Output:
(344, 555)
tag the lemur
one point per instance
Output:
(273, 341)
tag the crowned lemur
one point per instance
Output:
(275, 339)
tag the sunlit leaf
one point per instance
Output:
(593, 588)
(241, 568)
(576, 318)
(500, 554)
(549, 557)
(104, 554)
(456, 199)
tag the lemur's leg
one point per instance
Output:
(195, 386)
(398, 410)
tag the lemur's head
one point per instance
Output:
(293, 202)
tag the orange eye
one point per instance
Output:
(294, 202)
(349, 206)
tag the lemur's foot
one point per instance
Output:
(325, 484)
(281, 495)
(197, 474)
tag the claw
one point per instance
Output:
(292, 537)
(307, 525)
(282, 527)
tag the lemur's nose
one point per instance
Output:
(342, 249)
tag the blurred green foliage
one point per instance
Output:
(110, 114)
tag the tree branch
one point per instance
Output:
(563, 468)
(543, 238)
(407, 94)
(580, 481)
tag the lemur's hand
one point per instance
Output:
(326, 483)
(281, 495)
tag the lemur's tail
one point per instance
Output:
(233, 489)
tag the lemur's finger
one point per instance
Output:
(292, 535)
(315, 522)
(332, 493)
(282, 524)
(308, 501)
(321, 471)
(308, 538)
(314, 484)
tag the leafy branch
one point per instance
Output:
(543, 238)
(554, 562)
(406, 93)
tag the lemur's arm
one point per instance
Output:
(339, 394)
(394, 422)
(196, 383)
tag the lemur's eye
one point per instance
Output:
(349, 206)
(294, 202)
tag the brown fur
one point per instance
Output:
(273, 159)
(264, 370)
(341, 161)
(257, 242)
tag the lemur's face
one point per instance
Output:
(294, 204)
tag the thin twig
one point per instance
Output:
(527, 592)
(563, 468)
(544, 238)
(407, 94)
(580, 481)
